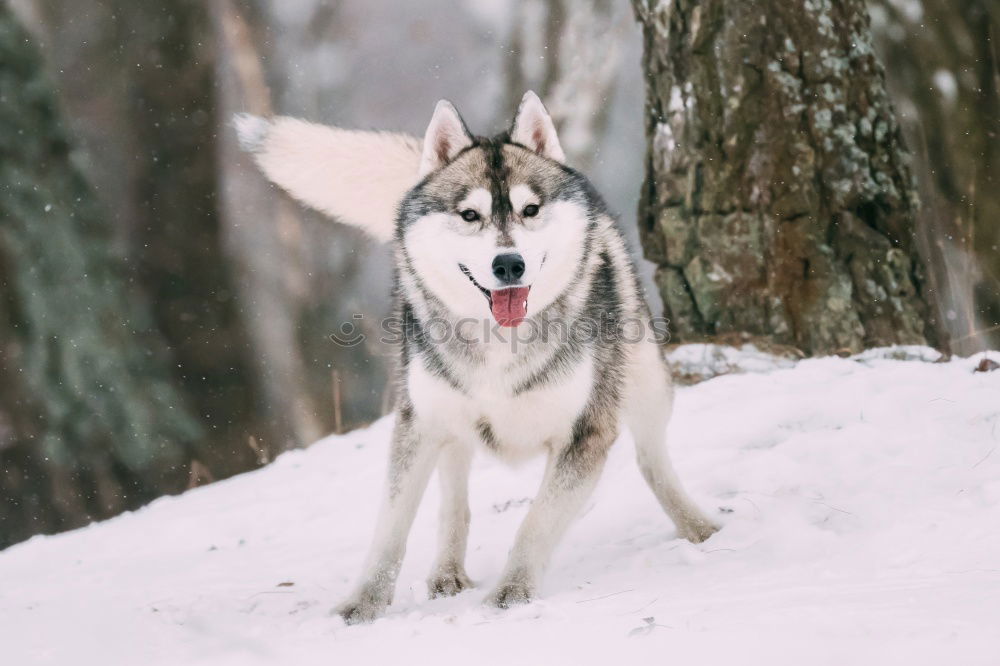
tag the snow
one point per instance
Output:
(913, 10)
(946, 84)
(698, 362)
(860, 499)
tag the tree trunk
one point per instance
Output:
(332, 273)
(177, 238)
(138, 82)
(567, 51)
(263, 236)
(778, 203)
(942, 70)
(91, 422)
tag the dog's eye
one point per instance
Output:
(530, 210)
(469, 215)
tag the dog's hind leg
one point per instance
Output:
(570, 476)
(411, 461)
(448, 575)
(648, 403)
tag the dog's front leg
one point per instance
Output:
(448, 575)
(570, 476)
(411, 461)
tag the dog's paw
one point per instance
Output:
(360, 611)
(364, 607)
(447, 583)
(697, 530)
(510, 593)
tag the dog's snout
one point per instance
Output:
(508, 268)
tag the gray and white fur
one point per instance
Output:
(453, 206)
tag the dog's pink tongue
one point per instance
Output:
(510, 305)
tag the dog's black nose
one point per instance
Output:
(508, 268)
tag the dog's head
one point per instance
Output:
(496, 225)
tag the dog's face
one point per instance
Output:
(497, 227)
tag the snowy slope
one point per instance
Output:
(860, 497)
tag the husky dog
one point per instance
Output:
(496, 229)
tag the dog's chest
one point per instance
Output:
(490, 411)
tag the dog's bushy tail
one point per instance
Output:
(356, 177)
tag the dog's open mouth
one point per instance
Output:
(509, 305)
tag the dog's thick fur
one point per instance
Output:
(451, 204)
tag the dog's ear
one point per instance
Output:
(445, 138)
(533, 128)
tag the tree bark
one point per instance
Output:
(778, 202)
(263, 237)
(567, 52)
(91, 421)
(176, 234)
(332, 272)
(943, 71)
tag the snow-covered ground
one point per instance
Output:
(860, 498)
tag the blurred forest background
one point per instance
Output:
(165, 314)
